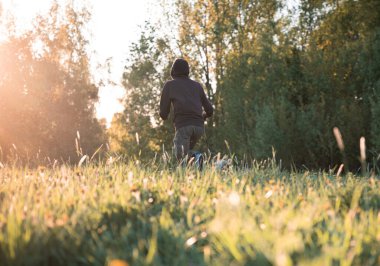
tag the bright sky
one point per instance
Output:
(114, 26)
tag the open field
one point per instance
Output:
(124, 214)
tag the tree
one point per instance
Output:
(47, 95)
(138, 130)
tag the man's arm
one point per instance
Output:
(209, 110)
(165, 103)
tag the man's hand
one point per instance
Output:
(204, 115)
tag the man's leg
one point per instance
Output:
(181, 143)
(185, 139)
(197, 158)
(197, 133)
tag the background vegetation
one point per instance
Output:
(279, 77)
(47, 95)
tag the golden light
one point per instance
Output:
(114, 26)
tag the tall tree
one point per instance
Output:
(138, 130)
(47, 95)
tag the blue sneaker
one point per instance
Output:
(197, 158)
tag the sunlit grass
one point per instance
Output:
(126, 214)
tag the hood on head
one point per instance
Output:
(180, 68)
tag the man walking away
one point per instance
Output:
(191, 108)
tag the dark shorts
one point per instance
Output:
(185, 139)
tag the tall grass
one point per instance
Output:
(129, 214)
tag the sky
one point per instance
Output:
(114, 27)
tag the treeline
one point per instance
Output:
(278, 78)
(47, 95)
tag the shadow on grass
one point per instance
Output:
(120, 233)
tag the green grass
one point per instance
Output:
(109, 214)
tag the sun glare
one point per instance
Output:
(114, 26)
(24, 10)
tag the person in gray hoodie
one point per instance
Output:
(190, 105)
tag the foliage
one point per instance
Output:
(47, 95)
(138, 130)
(150, 215)
(282, 78)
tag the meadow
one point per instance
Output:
(126, 213)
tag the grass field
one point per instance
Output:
(126, 214)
